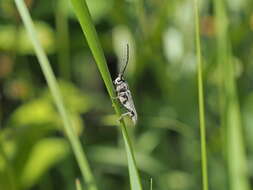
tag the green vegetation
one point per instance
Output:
(190, 74)
(201, 99)
(53, 86)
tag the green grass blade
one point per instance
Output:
(61, 18)
(236, 156)
(83, 15)
(51, 81)
(201, 100)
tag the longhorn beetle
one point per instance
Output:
(124, 94)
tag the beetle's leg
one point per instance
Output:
(115, 98)
(130, 114)
(124, 115)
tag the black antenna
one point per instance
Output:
(127, 59)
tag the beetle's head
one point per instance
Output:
(119, 80)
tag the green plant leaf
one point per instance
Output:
(44, 155)
(40, 111)
(12, 38)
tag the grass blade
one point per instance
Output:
(83, 15)
(236, 156)
(51, 81)
(201, 100)
(61, 18)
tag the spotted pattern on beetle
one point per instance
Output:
(124, 94)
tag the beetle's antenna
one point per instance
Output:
(127, 60)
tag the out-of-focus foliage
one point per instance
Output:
(34, 153)
(18, 40)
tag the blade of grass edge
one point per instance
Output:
(236, 156)
(83, 15)
(201, 100)
(51, 81)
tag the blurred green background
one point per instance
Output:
(34, 153)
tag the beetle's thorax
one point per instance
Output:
(122, 87)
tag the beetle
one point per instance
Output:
(124, 94)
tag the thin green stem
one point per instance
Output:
(201, 100)
(51, 81)
(83, 15)
(61, 17)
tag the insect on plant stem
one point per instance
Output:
(124, 94)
